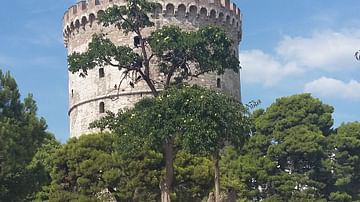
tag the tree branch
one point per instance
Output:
(149, 83)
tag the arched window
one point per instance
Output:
(170, 9)
(157, 11)
(100, 12)
(97, 2)
(72, 26)
(77, 24)
(91, 18)
(203, 12)
(68, 30)
(101, 73)
(212, 14)
(181, 12)
(83, 22)
(221, 17)
(102, 107)
(227, 19)
(193, 11)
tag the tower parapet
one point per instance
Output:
(223, 12)
(100, 91)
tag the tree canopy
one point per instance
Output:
(22, 134)
(285, 158)
(345, 150)
(199, 120)
(91, 169)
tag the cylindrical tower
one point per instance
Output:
(100, 91)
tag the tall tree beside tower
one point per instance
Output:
(22, 135)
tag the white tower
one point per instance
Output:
(89, 97)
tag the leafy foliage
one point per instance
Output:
(199, 120)
(22, 134)
(346, 161)
(193, 177)
(132, 17)
(285, 158)
(40, 169)
(93, 167)
(89, 169)
(101, 51)
(189, 54)
(296, 110)
(203, 120)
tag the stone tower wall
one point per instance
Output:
(87, 95)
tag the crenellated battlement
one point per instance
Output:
(223, 12)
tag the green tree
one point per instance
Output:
(193, 177)
(90, 169)
(296, 127)
(345, 162)
(286, 156)
(295, 110)
(211, 122)
(40, 168)
(94, 167)
(199, 120)
(22, 134)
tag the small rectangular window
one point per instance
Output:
(218, 83)
(102, 107)
(101, 73)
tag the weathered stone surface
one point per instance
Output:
(86, 94)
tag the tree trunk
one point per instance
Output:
(231, 195)
(165, 185)
(211, 197)
(217, 178)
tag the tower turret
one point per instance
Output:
(100, 91)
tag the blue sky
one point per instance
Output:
(288, 47)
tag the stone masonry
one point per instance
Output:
(100, 91)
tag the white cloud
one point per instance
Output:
(327, 51)
(263, 68)
(329, 87)
(324, 50)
